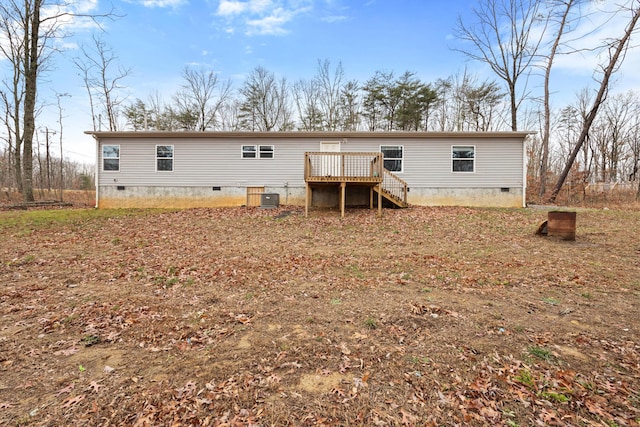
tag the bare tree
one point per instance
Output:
(329, 88)
(18, 25)
(502, 37)
(350, 106)
(610, 133)
(202, 96)
(559, 13)
(265, 106)
(617, 49)
(28, 36)
(102, 76)
(634, 150)
(230, 116)
(305, 95)
(441, 116)
(474, 104)
(8, 121)
(60, 117)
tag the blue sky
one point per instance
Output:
(156, 39)
(288, 37)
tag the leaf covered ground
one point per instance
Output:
(238, 317)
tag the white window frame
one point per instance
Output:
(110, 158)
(172, 158)
(401, 147)
(454, 159)
(269, 149)
(260, 151)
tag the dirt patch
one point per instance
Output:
(426, 316)
(314, 383)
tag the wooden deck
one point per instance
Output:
(343, 168)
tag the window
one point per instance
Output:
(463, 158)
(249, 151)
(164, 158)
(392, 155)
(266, 151)
(111, 158)
(257, 151)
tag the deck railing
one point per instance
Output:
(343, 166)
(395, 186)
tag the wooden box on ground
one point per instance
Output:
(562, 225)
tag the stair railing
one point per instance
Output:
(395, 186)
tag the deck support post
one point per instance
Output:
(379, 200)
(343, 197)
(306, 200)
(370, 197)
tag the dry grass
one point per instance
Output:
(427, 316)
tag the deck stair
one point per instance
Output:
(394, 189)
(356, 168)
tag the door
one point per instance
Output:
(253, 196)
(330, 165)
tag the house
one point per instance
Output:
(318, 169)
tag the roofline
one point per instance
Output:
(304, 134)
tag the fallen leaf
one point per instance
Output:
(94, 386)
(344, 349)
(67, 389)
(66, 352)
(243, 318)
(71, 401)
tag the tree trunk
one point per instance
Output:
(514, 107)
(17, 158)
(600, 97)
(30, 85)
(544, 163)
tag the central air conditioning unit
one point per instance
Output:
(269, 200)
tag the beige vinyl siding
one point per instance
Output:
(217, 160)
(427, 162)
(201, 162)
(497, 164)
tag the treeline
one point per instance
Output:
(50, 174)
(326, 102)
(611, 153)
(389, 102)
(592, 139)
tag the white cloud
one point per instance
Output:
(260, 17)
(227, 8)
(163, 3)
(580, 60)
(237, 7)
(86, 6)
(71, 17)
(587, 40)
(334, 18)
(69, 46)
(270, 25)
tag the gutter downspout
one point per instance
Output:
(97, 173)
(524, 172)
